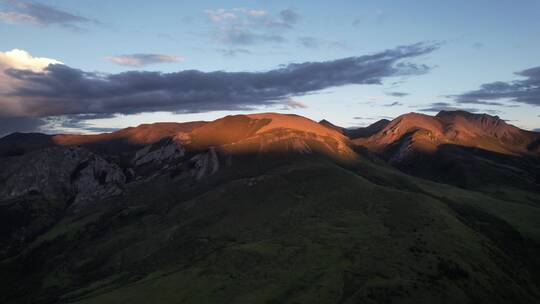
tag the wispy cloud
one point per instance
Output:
(393, 104)
(62, 90)
(139, 60)
(244, 36)
(293, 103)
(316, 43)
(445, 106)
(309, 42)
(286, 18)
(525, 91)
(76, 123)
(233, 52)
(377, 17)
(22, 12)
(373, 118)
(244, 26)
(397, 94)
(477, 45)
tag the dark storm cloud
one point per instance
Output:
(62, 90)
(525, 91)
(9, 125)
(41, 14)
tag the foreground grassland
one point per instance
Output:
(308, 232)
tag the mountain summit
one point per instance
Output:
(457, 147)
(424, 132)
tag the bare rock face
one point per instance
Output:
(158, 153)
(63, 174)
(98, 179)
(169, 157)
(205, 164)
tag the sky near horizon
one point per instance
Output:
(92, 66)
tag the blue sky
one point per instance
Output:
(471, 44)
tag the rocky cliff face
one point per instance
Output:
(69, 174)
(160, 152)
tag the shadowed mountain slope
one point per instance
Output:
(354, 133)
(21, 143)
(476, 151)
(369, 130)
(332, 126)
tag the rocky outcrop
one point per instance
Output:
(170, 157)
(158, 153)
(73, 175)
(98, 179)
(204, 164)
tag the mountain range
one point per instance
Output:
(274, 208)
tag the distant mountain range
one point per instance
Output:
(274, 208)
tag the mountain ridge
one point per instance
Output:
(454, 127)
(268, 208)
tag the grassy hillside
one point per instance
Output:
(367, 234)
